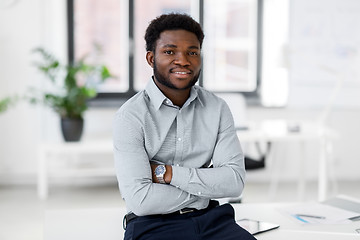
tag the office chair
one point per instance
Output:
(253, 164)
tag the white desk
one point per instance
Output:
(290, 229)
(94, 224)
(51, 151)
(266, 131)
(279, 131)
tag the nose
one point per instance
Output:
(182, 59)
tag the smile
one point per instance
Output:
(183, 73)
(180, 71)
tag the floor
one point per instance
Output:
(21, 213)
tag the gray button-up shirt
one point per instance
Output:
(148, 127)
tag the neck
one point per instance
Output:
(177, 96)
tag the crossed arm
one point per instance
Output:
(186, 186)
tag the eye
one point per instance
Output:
(193, 53)
(169, 52)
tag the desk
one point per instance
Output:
(281, 131)
(290, 229)
(94, 224)
(274, 131)
(48, 152)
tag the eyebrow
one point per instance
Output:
(174, 46)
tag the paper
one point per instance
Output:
(318, 213)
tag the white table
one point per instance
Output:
(51, 151)
(274, 131)
(94, 224)
(290, 229)
(281, 131)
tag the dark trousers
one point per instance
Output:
(215, 224)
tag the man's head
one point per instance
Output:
(173, 44)
(172, 21)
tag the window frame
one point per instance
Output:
(106, 98)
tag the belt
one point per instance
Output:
(131, 216)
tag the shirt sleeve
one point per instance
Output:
(132, 165)
(227, 177)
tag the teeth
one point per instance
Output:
(181, 72)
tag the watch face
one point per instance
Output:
(160, 170)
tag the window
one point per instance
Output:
(100, 32)
(230, 54)
(117, 27)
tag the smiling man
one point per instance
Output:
(175, 145)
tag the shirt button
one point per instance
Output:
(177, 165)
(179, 139)
(199, 193)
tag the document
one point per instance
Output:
(318, 213)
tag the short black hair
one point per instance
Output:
(172, 21)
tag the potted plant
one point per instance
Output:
(74, 85)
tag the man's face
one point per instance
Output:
(176, 60)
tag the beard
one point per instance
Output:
(166, 82)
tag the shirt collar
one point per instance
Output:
(155, 95)
(193, 95)
(158, 98)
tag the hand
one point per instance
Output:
(167, 176)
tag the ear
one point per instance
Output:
(150, 58)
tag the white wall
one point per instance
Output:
(32, 23)
(20, 30)
(24, 26)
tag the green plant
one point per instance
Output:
(76, 84)
(5, 103)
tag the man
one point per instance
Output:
(166, 138)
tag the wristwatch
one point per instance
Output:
(160, 173)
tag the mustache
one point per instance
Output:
(176, 69)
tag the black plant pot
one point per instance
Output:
(72, 129)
